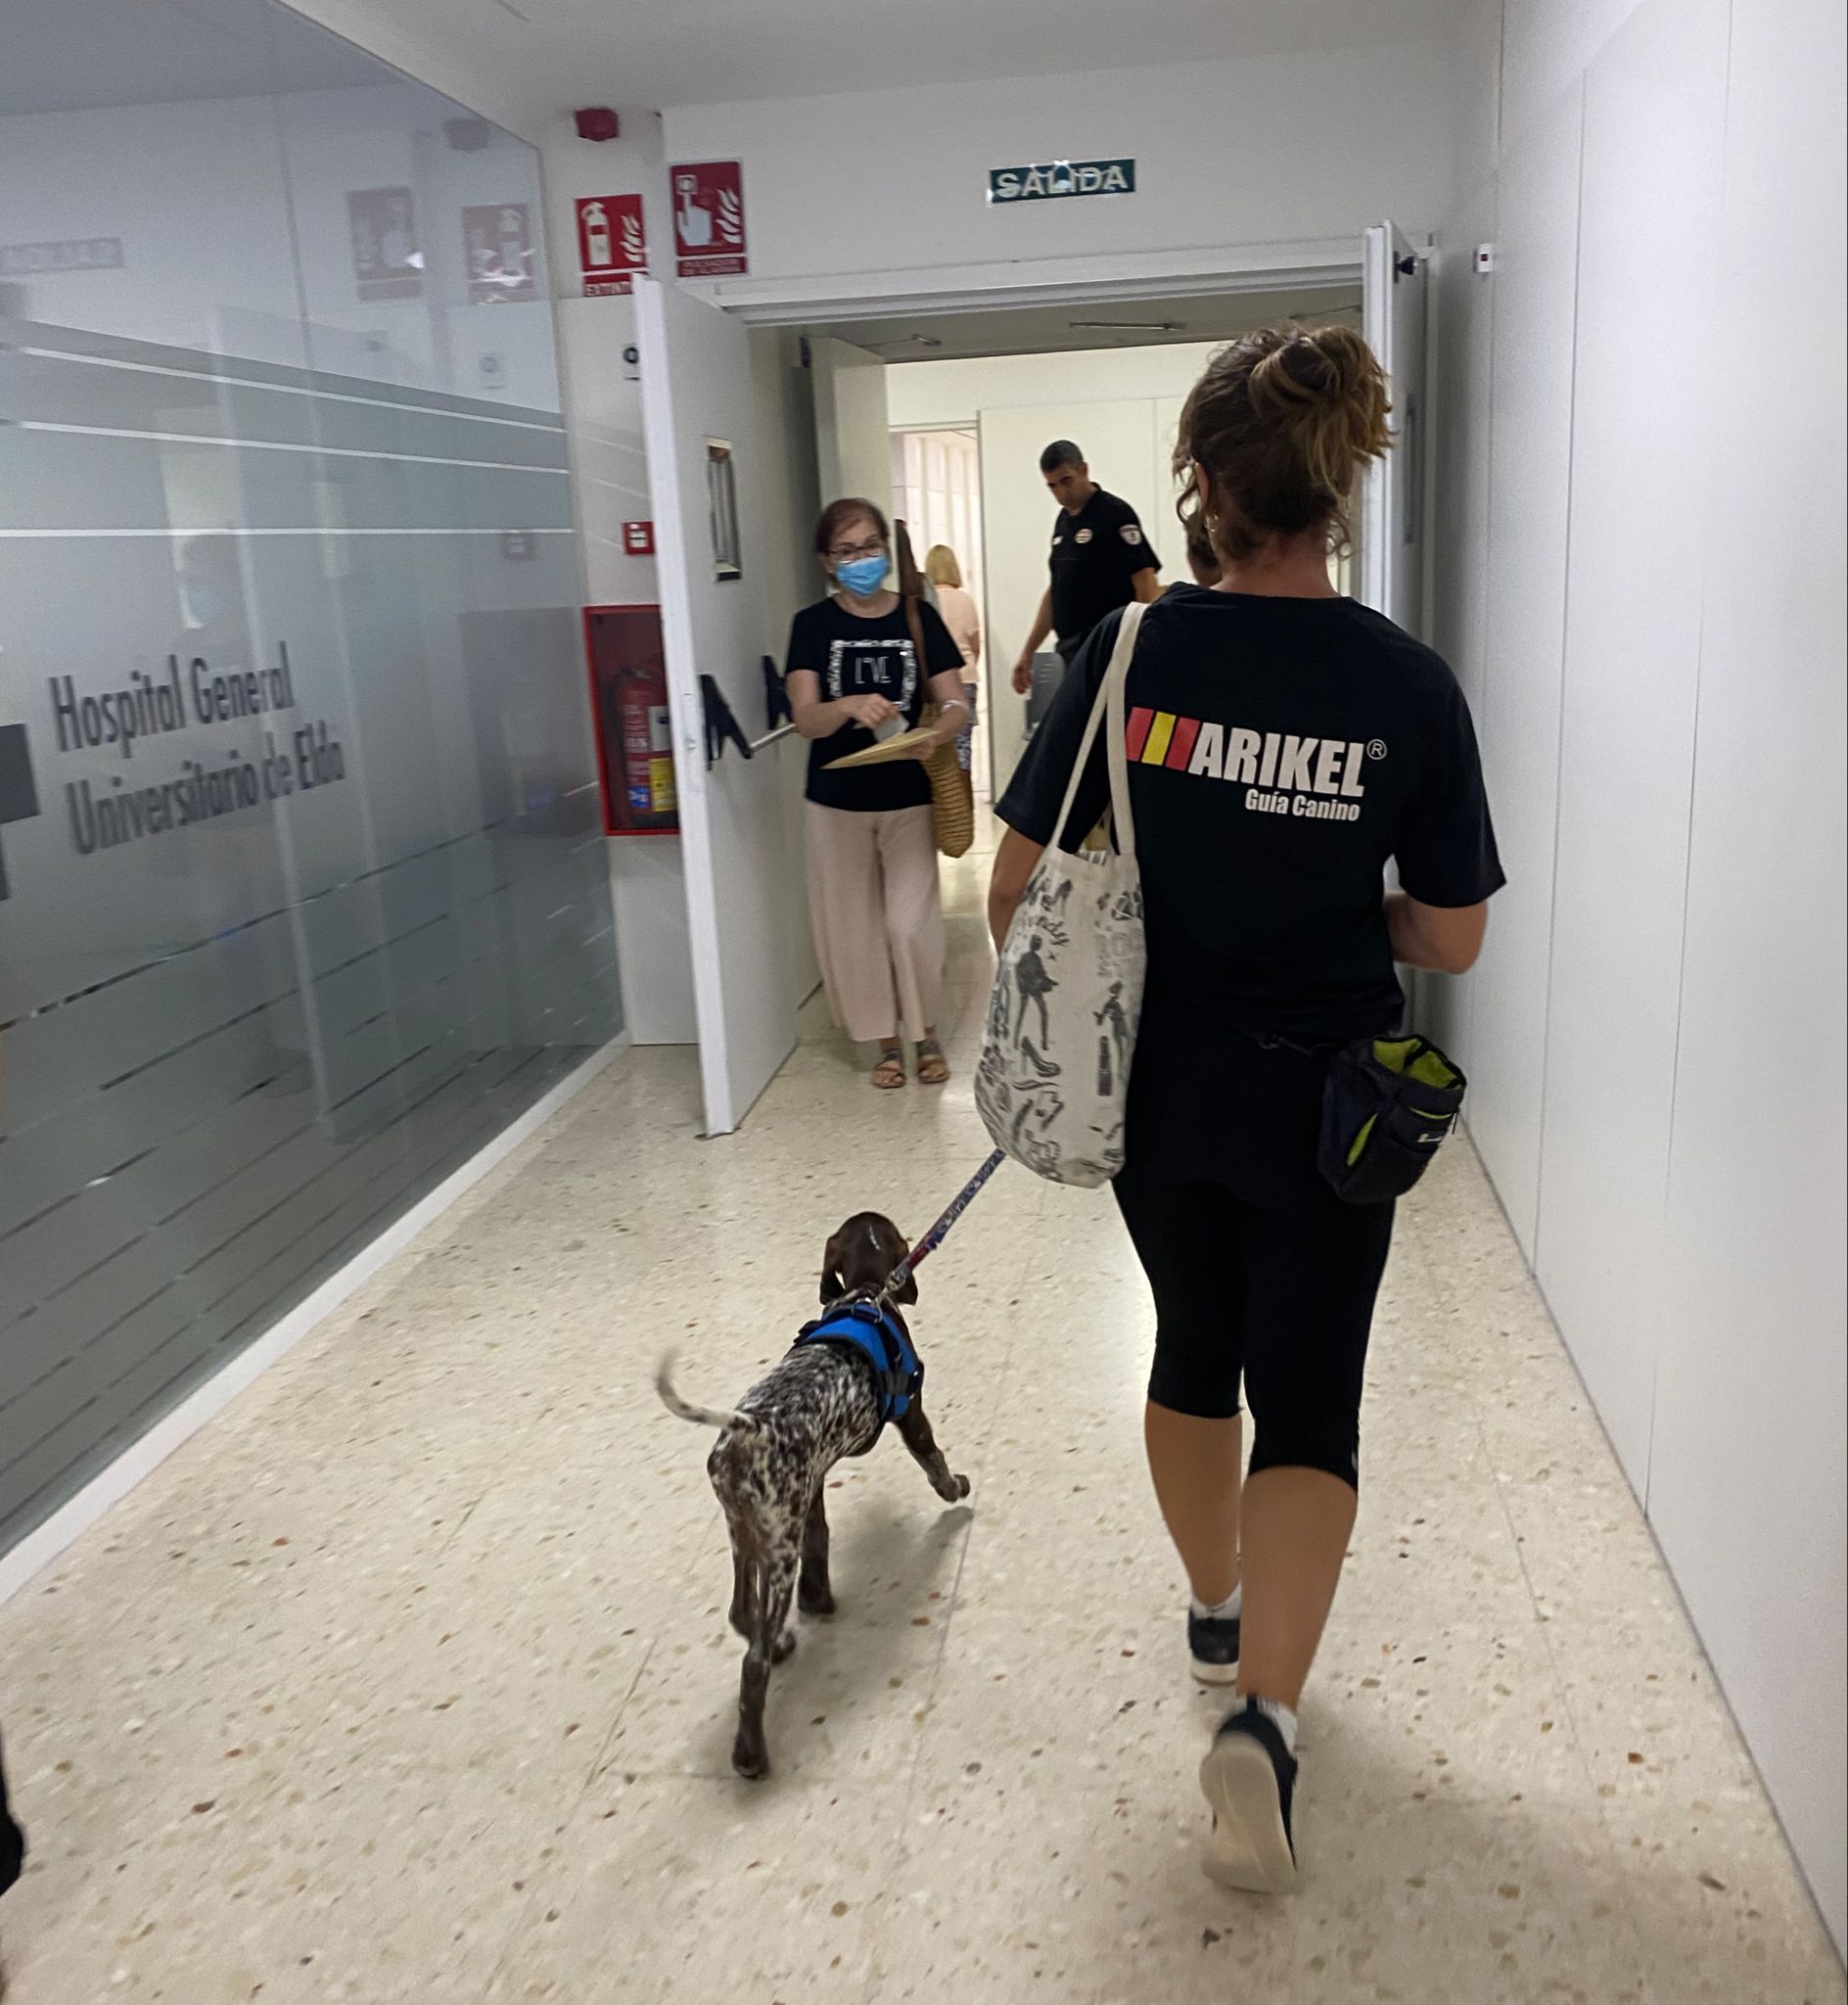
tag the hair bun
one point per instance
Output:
(1283, 421)
(1307, 367)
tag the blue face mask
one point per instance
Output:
(863, 576)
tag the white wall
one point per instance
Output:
(853, 427)
(1641, 571)
(1119, 405)
(603, 412)
(1277, 150)
(204, 197)
(921, 395)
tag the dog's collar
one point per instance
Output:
(875, 1330)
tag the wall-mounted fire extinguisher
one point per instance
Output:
(641, 708)
(629, 681)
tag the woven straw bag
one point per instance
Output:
(953, 793)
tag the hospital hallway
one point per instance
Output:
(407, 1678)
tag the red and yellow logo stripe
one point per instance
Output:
(1158, 738)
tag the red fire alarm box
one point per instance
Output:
(629, 700)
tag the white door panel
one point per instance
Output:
(1389, 563)
(1392, 497)
(740, 875)
(853, 431)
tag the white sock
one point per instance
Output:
(1226, 1608)
(1281, 1717)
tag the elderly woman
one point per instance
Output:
(854, 676)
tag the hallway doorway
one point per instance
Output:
(937, 492)
(971, 397)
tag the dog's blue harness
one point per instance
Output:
(875, 1331)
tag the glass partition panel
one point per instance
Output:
(303, 893)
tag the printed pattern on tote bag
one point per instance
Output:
(1053, 1080)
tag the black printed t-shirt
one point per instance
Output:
(1282, 751)
(1095, 553)
(856, 656)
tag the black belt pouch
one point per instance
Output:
(1387, 1106)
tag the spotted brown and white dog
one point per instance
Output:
(770, 1464)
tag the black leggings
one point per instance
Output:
(1282, 1295)
(11, 1839)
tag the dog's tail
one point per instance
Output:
(700, 1415)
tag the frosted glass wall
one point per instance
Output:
(302, 890)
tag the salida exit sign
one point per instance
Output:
(1058, 180)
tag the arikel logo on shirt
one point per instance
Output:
(1311, 779)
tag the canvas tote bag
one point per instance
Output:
(1052, 1081)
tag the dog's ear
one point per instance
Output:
(832, 1286)
(898, 1252)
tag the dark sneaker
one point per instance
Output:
(1212, 1643)
(1249, 1777)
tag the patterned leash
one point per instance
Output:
(936, 1234)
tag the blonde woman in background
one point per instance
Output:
(965, 630)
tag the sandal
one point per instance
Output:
(932, 1068)
(889, 1073)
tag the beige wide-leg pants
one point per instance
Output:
(878, 919)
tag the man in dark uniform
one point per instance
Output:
(1100, 559)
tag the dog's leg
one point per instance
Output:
(814, 1595)
(744, 1577)
(915, 1432)
(770, 1645)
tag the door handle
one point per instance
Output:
(721, 726)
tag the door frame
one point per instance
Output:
(839, 301)
(1090, 280)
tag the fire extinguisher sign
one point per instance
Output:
(708, 238)
(612, 247)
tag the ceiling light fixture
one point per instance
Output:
(1127, 326)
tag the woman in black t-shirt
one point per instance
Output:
(854, 676)
(1286, 744)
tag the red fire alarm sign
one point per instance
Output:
(709, 219)
(611, 245)
(638, 540)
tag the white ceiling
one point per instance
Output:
(1054, 330)
(552, 55)
(93, 55)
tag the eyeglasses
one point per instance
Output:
(847, 553)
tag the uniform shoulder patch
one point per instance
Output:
(1131, 534)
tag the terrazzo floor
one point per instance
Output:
(407, 1679)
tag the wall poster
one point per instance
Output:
(497, 253)
(388, 264)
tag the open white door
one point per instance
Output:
(697, 395)
(853, 427)
(1391, 501)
